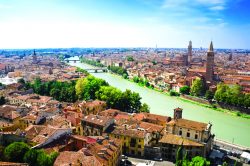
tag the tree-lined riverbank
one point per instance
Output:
(225, 127)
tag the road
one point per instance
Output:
(157, 163)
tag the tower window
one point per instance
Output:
(196, 136)
(188, 134)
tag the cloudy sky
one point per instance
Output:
(124, 23)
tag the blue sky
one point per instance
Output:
(124, 23)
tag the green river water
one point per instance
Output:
(225, 127)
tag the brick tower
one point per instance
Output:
(189, 52)
(210, 63)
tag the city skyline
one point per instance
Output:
(131, 23)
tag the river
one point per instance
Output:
(225, 127)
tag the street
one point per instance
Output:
(157, 163)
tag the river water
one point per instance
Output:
(225, 127)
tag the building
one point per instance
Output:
(152, 118)
(43, 135)
(107, 151)
(69, 158)
(96, 125)
(210, 64)
(189, 52)
(92, 107)
(195, 138)
(133, 139)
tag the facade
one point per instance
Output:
(92, 107)
(133, 140)
(210, 64)
(195, 138)
(95, 125)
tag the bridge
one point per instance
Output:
(97, 70)
(71, 60)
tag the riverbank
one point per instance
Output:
(213, 107)
(226, 127)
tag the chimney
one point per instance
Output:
(178, 113)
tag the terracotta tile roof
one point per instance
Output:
(152, 117)
(129, 132)
(58, 121)
(93, 103)
(149, 127)
(104, 149)
(33, 130)
(110, 112)
(189, 124)
(40, 133)
(97, 119)
(9, 112)
(177, 140)
(75, 159)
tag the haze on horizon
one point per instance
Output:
(124, 23)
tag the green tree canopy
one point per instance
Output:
(144, 108)
(130, 58)
(16, 151)
(185, 90)
(232, 95)
(197, 88)
(209, 95)
(88, 86)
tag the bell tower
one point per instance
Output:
(210, 63)
(189, 52)
(178, 113)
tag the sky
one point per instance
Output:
(124, 23)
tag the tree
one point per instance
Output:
(232, 95)
(220, 94)
(125, 76)
(136, 79)
(185, 90)
(16, 151)
(38, 157)
(130, 58)
(111, 95)
(30, 157)
(197, 88)
(144, 108)
(209, 95)
(173, 93)
(199, 161)
(88, 86)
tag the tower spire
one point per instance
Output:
(211, 47)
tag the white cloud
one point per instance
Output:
(216, 8)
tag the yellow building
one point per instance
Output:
(133, 140)
(27, 121)
(194, 137)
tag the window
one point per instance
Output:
(180, 132)
(196, 136)
(188, 134)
